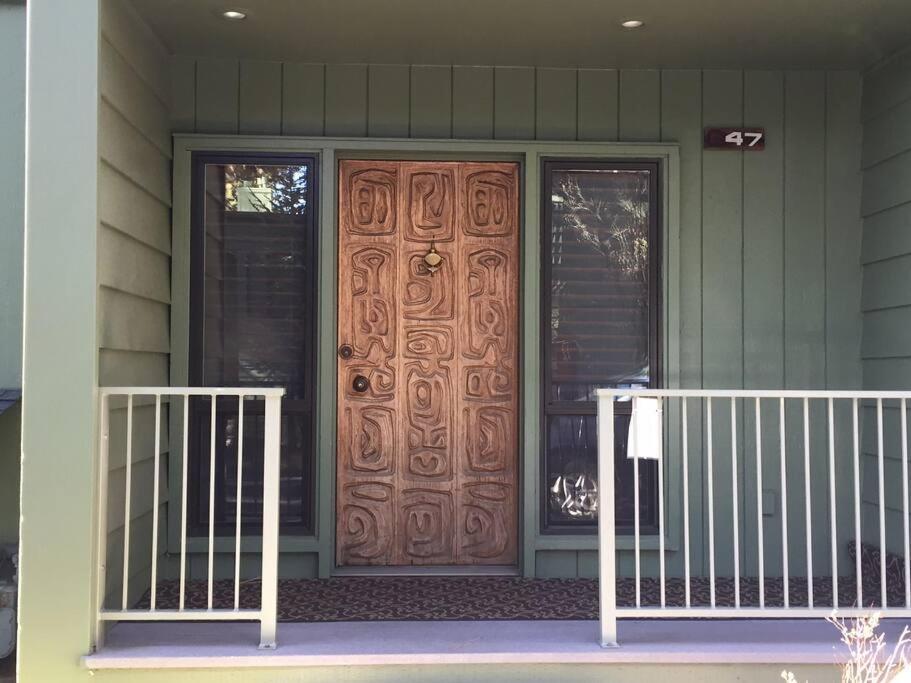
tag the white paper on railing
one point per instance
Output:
(645, 438)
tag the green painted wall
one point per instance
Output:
(886, 258)
(769, 275)
(134, 270)
(12, 192)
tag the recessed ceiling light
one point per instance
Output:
(234, 15)
(633, 23)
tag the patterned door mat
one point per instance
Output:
(425, 598)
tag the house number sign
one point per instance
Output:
(747, 139)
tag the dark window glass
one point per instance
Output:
(600, 317)
(253, 314)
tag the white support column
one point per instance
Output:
(607, 532)
(271, 471)
(59, 520)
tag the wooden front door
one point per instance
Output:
(427, 386)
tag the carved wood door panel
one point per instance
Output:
(427, 385)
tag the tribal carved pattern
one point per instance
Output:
(426, 525)
(428, 431)
(365, 516)
(373, 202)
(426, 297)
(372, 442)
(487, 325)
(485, 535)
(431, 205)
(372, 316)
(488, 200)
(487, 438)
(427, 447)
(487, 383)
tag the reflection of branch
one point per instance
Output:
(617, 229)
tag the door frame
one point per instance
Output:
(328, 151)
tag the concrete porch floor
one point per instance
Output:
(233, 645)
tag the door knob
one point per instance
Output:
(360, 384)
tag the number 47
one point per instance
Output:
(737, 137)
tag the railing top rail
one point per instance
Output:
(753, 393)
(192, 391)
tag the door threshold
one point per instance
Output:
(442, 570)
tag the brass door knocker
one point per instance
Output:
(432, 259)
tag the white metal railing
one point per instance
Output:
(179, 399)
(812, 432)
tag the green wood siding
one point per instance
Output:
(769, 278)
(886, 258)
(12, 192)
(134, 262)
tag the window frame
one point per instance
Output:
(550, 407)
(196, 331)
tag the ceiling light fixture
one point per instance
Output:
(633, 23)
(234, 15)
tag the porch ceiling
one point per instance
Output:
(688, 33)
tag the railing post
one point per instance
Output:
(101, 521)
(271, 480)
(607, 532)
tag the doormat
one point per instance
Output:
(426, 598)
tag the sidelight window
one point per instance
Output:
(252, 323)
(600, 317)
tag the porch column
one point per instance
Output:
(60, 338)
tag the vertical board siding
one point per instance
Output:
(303, 99)
(260, 98)
(769, 240)
(555, 106)
(514, 103)
(346, 100)
(134, 244)
(388, 96)
(217, 101)
(431, 102)
(472, 102)
(886, 263)
(598, 100)
(640, 104)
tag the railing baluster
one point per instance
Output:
(735, 503)
(211, 572)
(882, 500)
(904, 436)
(857, 571)
(711, 501)
(832, 514)
(660, 465)
(155, 493)
(784, 501)
(239, 496)
(636, 505)
(759, 539)
(183, 502)
(807, 499)
(607, 569)
(126, 504)
(686, 503)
